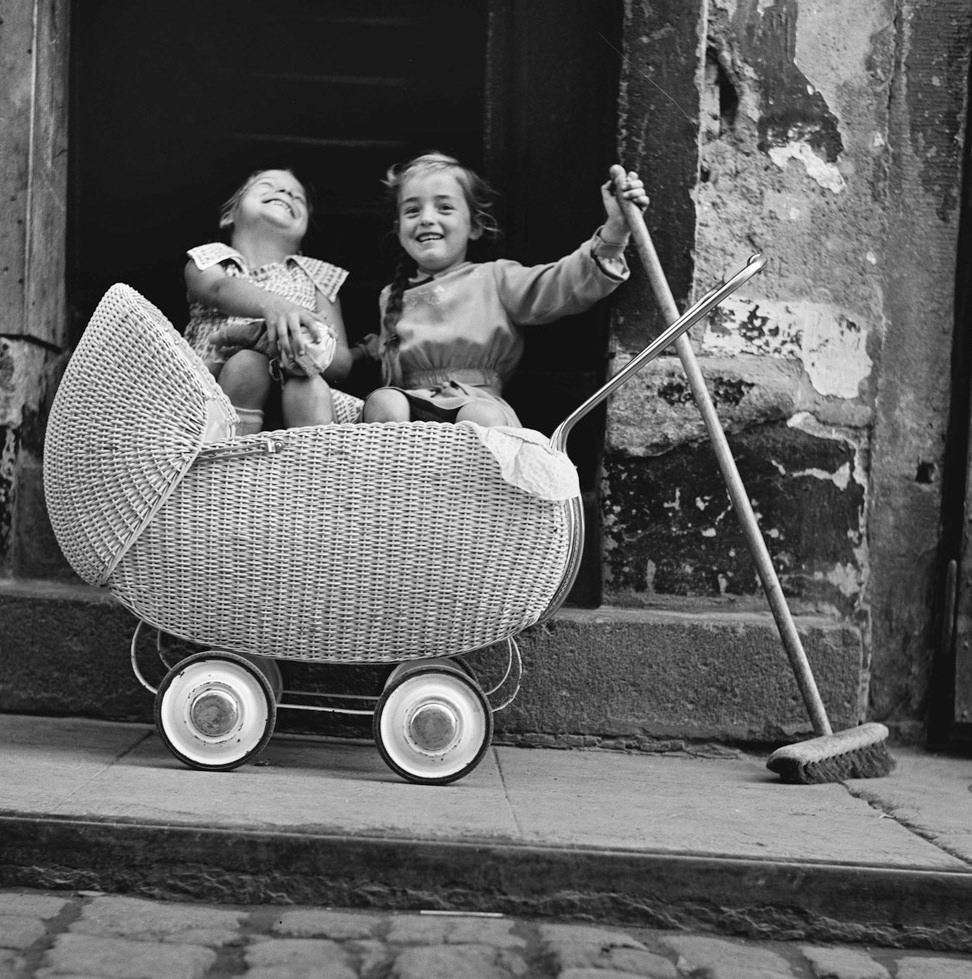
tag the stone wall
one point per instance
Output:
(33, 236)
(829, 139)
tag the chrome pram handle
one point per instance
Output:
(686, 321)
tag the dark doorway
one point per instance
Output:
(174, 104)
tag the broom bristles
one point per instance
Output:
(858, 752)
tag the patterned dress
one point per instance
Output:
(298, 279)
(458, 338)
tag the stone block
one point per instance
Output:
(34, 549)
(64, 649)
(630, 678)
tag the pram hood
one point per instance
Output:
(132, 411)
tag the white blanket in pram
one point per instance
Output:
(527, 462)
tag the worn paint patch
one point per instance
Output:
(824, 173)
(656, 411)
(793, 111)
(7, 366)
(8, 473)
(21, 365)
(725, 391)
(831, 343)
(669, 528)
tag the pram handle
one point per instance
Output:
(685, 322)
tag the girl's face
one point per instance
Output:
(276, 198)
(434, 222)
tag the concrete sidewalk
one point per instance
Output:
(659, 841)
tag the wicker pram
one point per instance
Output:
(401, 544)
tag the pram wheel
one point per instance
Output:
(270, 668)
(215, 711)
(433, 723)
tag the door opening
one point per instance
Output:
(173, 104)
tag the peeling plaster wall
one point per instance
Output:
(33, 312)
(825, 142)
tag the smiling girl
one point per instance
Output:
(450, 329)
(260, 312)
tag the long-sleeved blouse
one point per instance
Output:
(459, 334)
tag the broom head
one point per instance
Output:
(858, 752)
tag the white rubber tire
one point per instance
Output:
(432, 725)
(270, 668)
(215, 711)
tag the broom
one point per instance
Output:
(858, 752)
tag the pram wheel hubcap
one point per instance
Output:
(432, 724)
(433, 728)
(215, 711)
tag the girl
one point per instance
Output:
(450, 329)
(260, 311)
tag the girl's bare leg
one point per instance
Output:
(386, 405)
(306, 401)
(246, 381)
(483, 413)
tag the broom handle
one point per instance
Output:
(730, 474)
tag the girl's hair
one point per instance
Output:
(229, 205)
(479, 198)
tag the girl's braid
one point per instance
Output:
(404, 270)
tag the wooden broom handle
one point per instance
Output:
(727, 464)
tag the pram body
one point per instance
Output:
(403, 544)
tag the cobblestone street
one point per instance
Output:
(90, 934)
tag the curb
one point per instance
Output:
(789, 901)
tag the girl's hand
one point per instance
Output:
(286, 323)
(631, 188)
(317, 357)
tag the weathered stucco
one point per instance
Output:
(792, 158)
(33, 310)
(33, 178)
(829, 141)
(27, 376)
